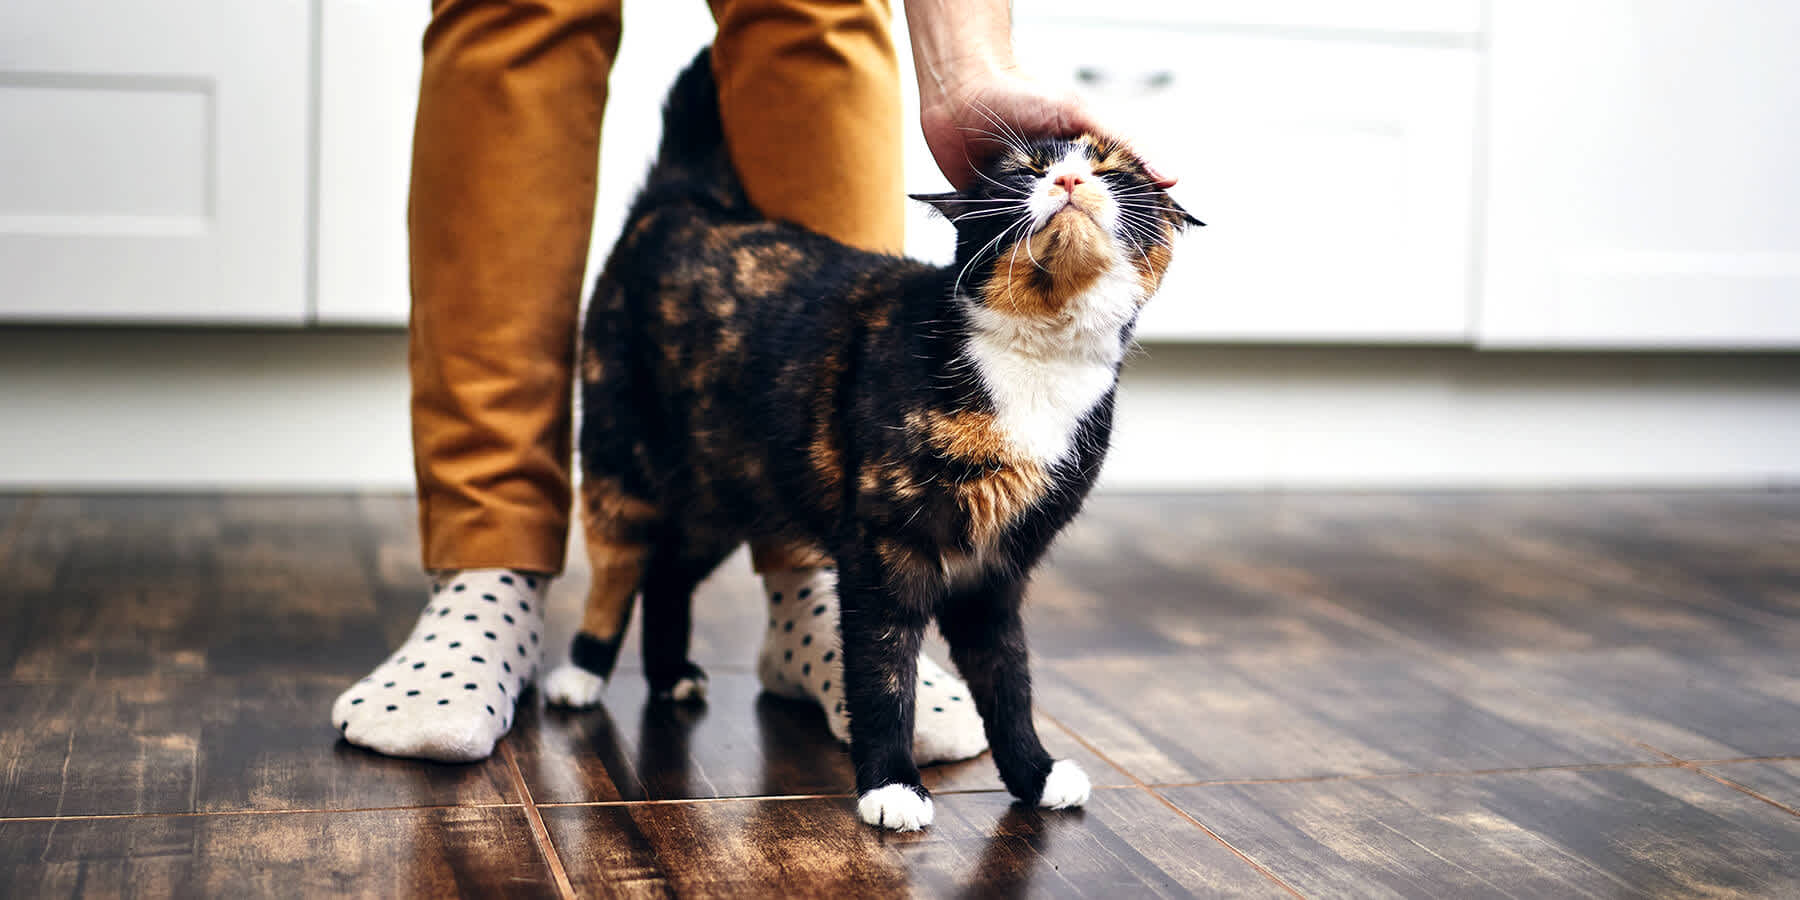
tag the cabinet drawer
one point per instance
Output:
(1335, 177)
(155, 159)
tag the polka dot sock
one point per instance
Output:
(801, 658)
(448, 692)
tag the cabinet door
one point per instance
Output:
(155, 158)
(368, 96)
(1335, 176)
(1643, 175)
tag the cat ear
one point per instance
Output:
(1183, 216)
(949, 205)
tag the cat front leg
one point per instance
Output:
(881, 629)
(987, 642)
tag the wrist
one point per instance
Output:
(949, 85)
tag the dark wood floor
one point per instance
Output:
(1323, 695)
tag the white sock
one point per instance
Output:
(801, 658)
(448, 692)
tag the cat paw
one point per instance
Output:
(690, 687)
(1065, 786)
(573, 686)
(898, 807)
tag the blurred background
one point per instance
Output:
(1452, 243)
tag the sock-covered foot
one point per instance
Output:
(449, 691)
(801, 658)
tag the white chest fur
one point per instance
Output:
(1044, 377)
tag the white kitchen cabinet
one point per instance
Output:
(1335, 175)
(369, 89)
(1393, 20)
(155, 159)
(1643, 175)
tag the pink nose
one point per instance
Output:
(1068, 180)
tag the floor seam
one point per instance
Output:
(1748, 791)
(745, 798)
(1259, 867)
(1374, 628)
(539, 834)
(1448, 773)
(194, 814)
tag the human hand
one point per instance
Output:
(967, 120)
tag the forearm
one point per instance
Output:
(955, 41)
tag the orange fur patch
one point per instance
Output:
(613, 523)
(823, 453)
(1011, 485)
(994, 500)
(593, 368)
(617, 570)
(1040, 274)
(968, 435)
(761, 271)
(609, 512)
(1153, 265)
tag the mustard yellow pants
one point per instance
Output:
(503, 183)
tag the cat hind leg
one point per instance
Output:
(618, 530)
(675, 568)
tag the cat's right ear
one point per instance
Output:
(949, 205)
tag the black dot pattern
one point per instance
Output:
(802, 651)
(428, 674)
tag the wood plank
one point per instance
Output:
(185, 585)
(387, 853)
(1600, 833)
(1180, 719)
(167, 745)
(1698, 706)
(740, 743)
(1125, 843)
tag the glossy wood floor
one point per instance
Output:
(1323, 695)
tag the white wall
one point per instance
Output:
(164, 409)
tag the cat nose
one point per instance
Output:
(1068, 180)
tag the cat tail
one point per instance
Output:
(693, 157)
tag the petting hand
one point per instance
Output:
(967, 121)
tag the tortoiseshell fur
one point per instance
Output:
(746, 378)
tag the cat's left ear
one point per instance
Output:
(1183, 216)
(949, 205)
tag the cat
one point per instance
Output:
(929, 428)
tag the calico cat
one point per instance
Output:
(931, 429)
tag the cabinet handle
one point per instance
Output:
(1158, 81)
(1089, 75)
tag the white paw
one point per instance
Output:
(897, 807)
(1066, 786)
(573, 686)
(690, 688)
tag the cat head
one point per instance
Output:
(1048, 221)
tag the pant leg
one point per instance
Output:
(809, 91)
(505, 159)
